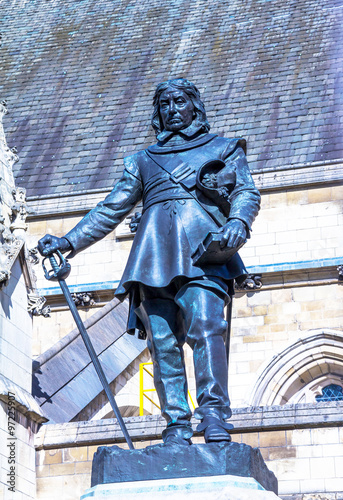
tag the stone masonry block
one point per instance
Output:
(280, 453)
(313, 486)
(324, 435)
(337, 193)
(334, 484)
(297, 197)
(299, 437)
(291, 468)
(318, 195)
(277, 199)
(260, 310)
(62, 469)
(83, 467)
(288, 487)
(76, 454)
(273, 438)
(261, 298)
(251, 439)
(323, 467)
(52, 457)
(311, 451)
(43, 471)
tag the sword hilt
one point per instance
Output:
(59, 270)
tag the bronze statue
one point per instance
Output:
(199, 202)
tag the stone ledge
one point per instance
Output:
(245, 420)
(25, 402)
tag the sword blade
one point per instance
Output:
(95, 360)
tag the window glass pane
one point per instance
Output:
(331, 392)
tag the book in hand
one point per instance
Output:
(209, 252)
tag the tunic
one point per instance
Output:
(174, 220)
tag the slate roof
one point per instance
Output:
(64, 380)
(79, 77)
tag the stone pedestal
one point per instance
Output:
(115, 465)
(224, 487)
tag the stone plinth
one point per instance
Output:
(115, 465)
(224, 487)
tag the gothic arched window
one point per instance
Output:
(332, 392)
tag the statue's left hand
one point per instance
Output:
(234, 234)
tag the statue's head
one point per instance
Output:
(191, 108)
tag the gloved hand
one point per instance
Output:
(234, 234)
(49, 244)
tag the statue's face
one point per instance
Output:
(176, 110)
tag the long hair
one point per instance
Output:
(192, 92)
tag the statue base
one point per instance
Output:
(158, 462)
(223, 487)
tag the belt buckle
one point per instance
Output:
(181, 172)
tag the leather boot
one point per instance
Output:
(179, 435)
(216, 429)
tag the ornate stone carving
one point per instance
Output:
(9, 251)
(12, 237)
(13, 215)
(19, 211)
(36, 305)
(11, 156)
(33, 256)
(252, 282)
(83, 299)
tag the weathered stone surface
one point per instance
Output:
(256, 419)
(115, 465)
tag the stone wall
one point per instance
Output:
(297, 225)
(307, 461)
(17, 456)
(19, 412)
(16, 331)
(15, 371)
(267, 322)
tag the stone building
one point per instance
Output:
(20, 414)
(79, 77)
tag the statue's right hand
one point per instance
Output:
(49, 244)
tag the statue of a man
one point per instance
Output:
(192, 184)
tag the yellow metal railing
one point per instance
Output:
(143, 392)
